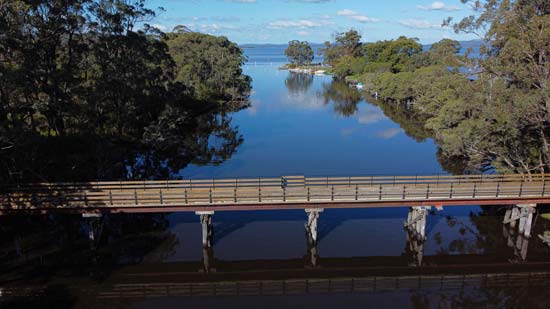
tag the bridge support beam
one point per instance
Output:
(416, 221)
(415, 226)
(95, 225)
(207, 260)
(312, 255)
(522, 214)
(311, 225)
(518, 242)
(207, 228)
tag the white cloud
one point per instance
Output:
(372, 115)
(438, 6)
(212, 28)
(303, 33)
(356, 16)
(301, 24)
(388, 133)
(420, 24)
(162, 28)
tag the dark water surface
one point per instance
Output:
(296, 125)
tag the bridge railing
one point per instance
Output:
(288, 181)
(272, 190)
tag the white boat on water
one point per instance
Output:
(304, 71)
(320, 72)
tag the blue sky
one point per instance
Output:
(316, 21)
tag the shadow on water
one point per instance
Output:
(183, 137)
(55, 259)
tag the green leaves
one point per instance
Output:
(209, 65)
(299, 53)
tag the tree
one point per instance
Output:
(513, 77)
(345, 44)
(209, 65)
(299, 53)
(97, 97)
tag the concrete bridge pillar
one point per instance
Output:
(207, 228)
(522, 214)
(311, 225)
(416, 221)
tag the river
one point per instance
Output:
(295, 125)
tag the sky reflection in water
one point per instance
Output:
(292, 128)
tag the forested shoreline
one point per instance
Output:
(88, 90)
(490, 110)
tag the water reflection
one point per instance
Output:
(343, 97)
(103, 252)
(182, 137)
(298, 84)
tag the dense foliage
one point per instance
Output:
(299, 53)
(492, 109)
(92, 75)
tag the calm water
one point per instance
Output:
(295, 125)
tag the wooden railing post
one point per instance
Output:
(111, 197)
(235, 194)
(498, 189)
(404, 188)
(308, 194)
(475, 187)
(428, 191)
(356, 192)
(210, 194)
(332, 193)
(135, 197)
(284, 194)
(380, 192)
(451, 191)
(186, 199)
(161, 197)
(543, 186)
(520, 188)
(260, 194)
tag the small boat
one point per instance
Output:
(320, 72)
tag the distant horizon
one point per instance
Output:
(317, 43)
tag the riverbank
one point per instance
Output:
(317, 69)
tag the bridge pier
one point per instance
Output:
(95, 225)
(207, 260)
(207, 228)
(416, 221)
(522, 214)
(518, 242)
(311, 225)
(414, 248)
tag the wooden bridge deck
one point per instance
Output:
(287, 192)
